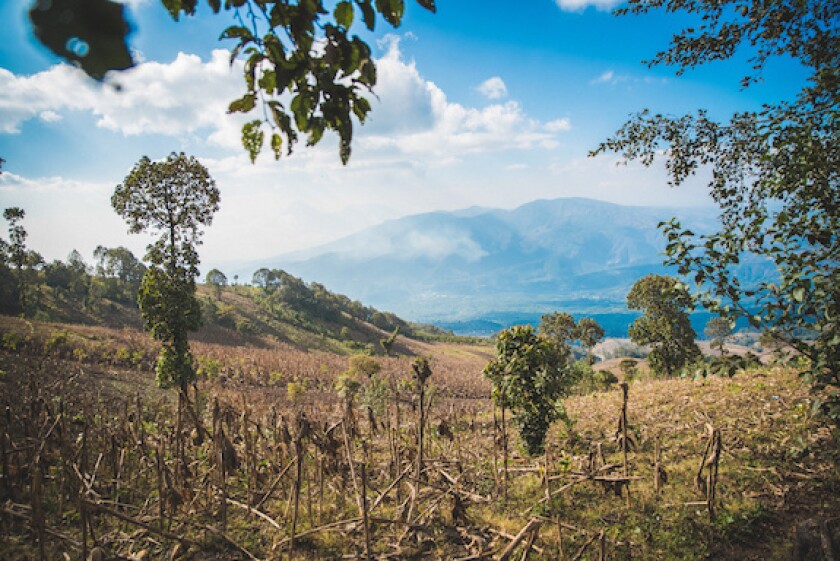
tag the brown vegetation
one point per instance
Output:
(89, 468)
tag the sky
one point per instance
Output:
(487, 103)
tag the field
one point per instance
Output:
(278, 465)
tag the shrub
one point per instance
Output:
(13, 341)
(209, 368)
(296, 388)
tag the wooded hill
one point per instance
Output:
(282, 308)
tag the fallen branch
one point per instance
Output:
(533, 525)
(585, 546)
(47, 529)
(255, 512)
(145, 525)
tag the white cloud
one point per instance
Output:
(173, 99)
(605, 77)
(580, 5)
(413, 118)
(611, 78)
(50, 116)
(493, 88)
(440, 245)
(558, 125)
(188, 98)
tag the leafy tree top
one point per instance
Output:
(172, 199)
(775, 171)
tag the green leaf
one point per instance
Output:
(252, 138)
(368, 15)
(237, 32)
(244, 104)
(277, 145)
(429, 5)
(361, 107)
(344, 14)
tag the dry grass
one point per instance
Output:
(778, 463)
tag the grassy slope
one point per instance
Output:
(779, 463)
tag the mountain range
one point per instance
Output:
(477, 269)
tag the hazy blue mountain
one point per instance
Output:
(576, 255)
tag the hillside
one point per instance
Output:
(285, 309)
(85, 395)
(453, 268)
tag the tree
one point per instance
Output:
(121, 272)
(289, 47)
(718, 329)
(589, 332)
(16, 254)
(172, 199)
(263, 278)
(216, 279)
(559, 327)
(665, 325)
(530, 375)
(775, 173)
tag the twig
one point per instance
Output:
(584, 546)
(533, 525)
(255, 512)
(150, 527)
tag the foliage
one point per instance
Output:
(726, 365)
(587, 380)
(305, 70)
(718, 329)
(120, 273)
(665, 325)
(559, 327)
(589, 333)
(376, 395)
(364, 365)
(172, 199)
(628, 367)
(347, 385)
(562, 330)
(90, 34)
(216, 279)
(774, 172)
(530, 375)
(388, 342)
(14, 253)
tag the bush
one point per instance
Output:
(296, 389)
(209, 368)
(726, 365)
(588, 380)
(13, 341)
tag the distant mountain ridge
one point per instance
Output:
(576, 255)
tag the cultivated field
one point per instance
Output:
(279, 465)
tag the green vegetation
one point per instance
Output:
(172, 199)
(561, 328)
(665, 325)
(718, 330)
(774, 173)
(326, 84)
(530, 375)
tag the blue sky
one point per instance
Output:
(485, 103)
